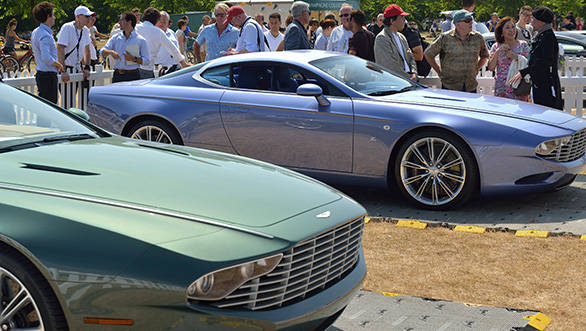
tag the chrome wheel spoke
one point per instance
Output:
(446, 189)
(443, 153)
(151, 133)
(422, 188)
(418, 154)
(18, 309)
(459, 179)
(412, 165)
(160, 136)
(411, 180)
(452, 164)
(430, 151)
(19, 301)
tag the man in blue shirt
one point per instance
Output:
(45, 52)
(219, 37)
(128, 48)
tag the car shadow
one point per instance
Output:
(563, 210)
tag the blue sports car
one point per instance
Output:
(342, 119)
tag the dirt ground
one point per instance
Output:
(491, 269)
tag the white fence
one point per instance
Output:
(572, 77)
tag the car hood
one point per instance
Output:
(482, 103)
(177, 179)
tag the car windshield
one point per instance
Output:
(27, 121)
(363, 76)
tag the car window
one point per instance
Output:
(25, 118)
(288, 78)
(570, 47)
(363, 76)
(254, 76)
(218, 75)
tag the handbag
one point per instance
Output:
(524, 86)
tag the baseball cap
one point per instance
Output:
(83, 10)
(461, 14)
(394, 10)
(232, 12)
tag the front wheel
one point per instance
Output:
(27, 301)
(436, 171)
(10, 64)
(153, 130)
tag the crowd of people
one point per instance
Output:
(139, 41)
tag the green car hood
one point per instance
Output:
(200, 183)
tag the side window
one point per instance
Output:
(571, 47)
(253, 76)
(288, 79)
(218, 75)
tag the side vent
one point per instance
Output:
(440, 98)
(60, 170)
(163, 149)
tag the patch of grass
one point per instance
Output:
(492, 269)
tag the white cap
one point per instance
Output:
(83, 10)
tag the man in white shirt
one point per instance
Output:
(338, 41)
(73, 43)
(73, 50)
(156, 39)
(167, 62)
(274, 36)
(251, 36)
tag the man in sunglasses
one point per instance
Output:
(339, 38)
(463, 52)
(218, 37)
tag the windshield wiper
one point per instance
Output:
(47, 140)
(389, 92)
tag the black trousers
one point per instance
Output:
(125, 77)
(47, 85)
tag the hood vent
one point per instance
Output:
(440, 98)
(164, 149)
(60, 170)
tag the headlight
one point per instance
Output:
(218, 284)
(546, 147)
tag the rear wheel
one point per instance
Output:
(154, 130)
(434, 170)
(26, 299)
(10, 64)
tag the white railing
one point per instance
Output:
(573, 81)
(26, 80)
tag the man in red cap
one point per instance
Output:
(251, 37)
(390, 47)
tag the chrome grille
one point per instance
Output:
(572, 151)
(306, 269)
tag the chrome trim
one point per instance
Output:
(317, 111)
(133, 207)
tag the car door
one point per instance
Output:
(265, 119)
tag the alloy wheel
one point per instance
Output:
(433, 171)
(152, 133)
(18, 309)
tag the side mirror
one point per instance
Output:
(313, 90)
(79, 113)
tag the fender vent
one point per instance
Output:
(163, 149)
(440, 98)
(56, 169)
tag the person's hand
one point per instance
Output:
(65, 77)
(86, 74)
(515, 79)
(59, 66)
(503, 48)
(128, 57)
(414, 77)
(115, 55)
(184, 64)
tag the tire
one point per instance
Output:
(40, 308)
(434, 170)
(154, 130)
(30, 63)
(10, 64)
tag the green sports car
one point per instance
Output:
(100, 232)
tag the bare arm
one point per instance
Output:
(433, 64)
(417, 53)
(61, 59)
(197, 51)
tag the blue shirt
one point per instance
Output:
(44, 48)
(119, 42)
(215, 43)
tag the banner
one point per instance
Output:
(331, 5)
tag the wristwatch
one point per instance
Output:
(87, 67)
(135, 59)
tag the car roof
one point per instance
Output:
(300, 57)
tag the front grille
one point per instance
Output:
(572, 151)
(305, 270)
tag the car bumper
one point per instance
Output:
(313, 313)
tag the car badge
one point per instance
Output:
(325, 214)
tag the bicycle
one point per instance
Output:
(27, 59)
(8, 63)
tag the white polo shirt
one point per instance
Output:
(164, 58)
(156, 39)
(68, 37)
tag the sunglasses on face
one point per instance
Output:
(468, 20)
(344, 15)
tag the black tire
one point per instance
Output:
(446, 182)
(16, 269)
(138, 130)
(30, 63)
